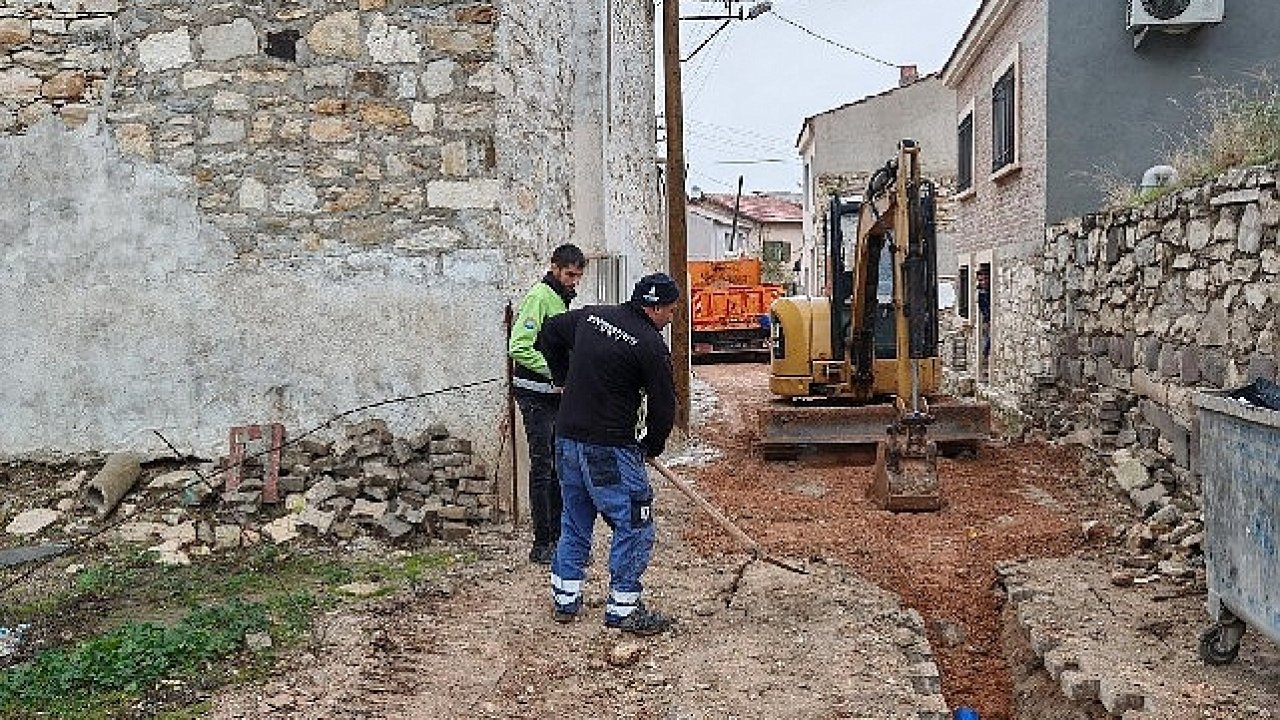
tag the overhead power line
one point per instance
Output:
(828, 40)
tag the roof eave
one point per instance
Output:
(988, 18)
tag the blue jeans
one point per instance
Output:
(613, 483)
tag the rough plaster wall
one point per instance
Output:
(579, 171)
(157, 293)
(124, 311)
(863, 135)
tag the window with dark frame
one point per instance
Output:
(964, 135)
(1003, 133)
(776, 251)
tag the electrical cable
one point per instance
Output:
(828, 40)
(82, 541)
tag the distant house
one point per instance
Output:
(1050, 96)
(768, 227)
(841, 147)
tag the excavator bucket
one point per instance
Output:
(906, 474)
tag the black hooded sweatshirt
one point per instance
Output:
(606, 357)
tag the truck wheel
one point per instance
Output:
(1216, 647)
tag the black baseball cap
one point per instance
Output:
(655, 289)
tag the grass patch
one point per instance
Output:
(108, 671)
(134, 630)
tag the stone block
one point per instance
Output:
(392, 44)
(1189, 360)
(220, 43)
(1249, 236)
(366, 509)
(453, 513)
(14, 32)
(1078, 686)
(451, 531)
(369, 82)
(475, 194)
(1261, 366)
(165, 51)
(337, 35)
(1150, 347)
(1102, 370)
(1119, 696)
(1148, 500)
(393, 527)
(66, 85)
(1169, 361)
(1213, 368)
(19, 84)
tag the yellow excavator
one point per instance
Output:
(860, 370)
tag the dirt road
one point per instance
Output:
(752, 641)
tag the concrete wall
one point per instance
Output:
(1122, 110)
(204, 235)
(843, 146)
(861, 136)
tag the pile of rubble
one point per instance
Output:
(1169, 539)
(367, 482)
(372, 481)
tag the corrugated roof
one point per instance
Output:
(760, 208)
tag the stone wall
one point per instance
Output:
(1128, 314)
(237, 213)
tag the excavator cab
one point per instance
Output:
(859, 370)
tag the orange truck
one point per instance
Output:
(730, 309)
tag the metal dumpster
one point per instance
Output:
(1240, 465)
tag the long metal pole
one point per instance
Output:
(677, 225)
(507, 321)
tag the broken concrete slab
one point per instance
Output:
(31, 553)
(281, 530)
(31, 522)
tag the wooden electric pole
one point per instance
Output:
(677, 225)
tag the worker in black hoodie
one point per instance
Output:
(611, 360)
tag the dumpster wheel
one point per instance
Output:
(1220, 644)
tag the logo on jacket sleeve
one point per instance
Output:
(529, 324)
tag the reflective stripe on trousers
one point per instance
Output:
(612, 482)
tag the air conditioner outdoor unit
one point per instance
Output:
(1173, 15)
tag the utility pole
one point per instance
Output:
(677, 223)
(733, 231)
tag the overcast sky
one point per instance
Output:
(748, 91)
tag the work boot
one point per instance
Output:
(565, 614)
(542, 554)
(642, 621)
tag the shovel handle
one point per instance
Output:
(724, 522)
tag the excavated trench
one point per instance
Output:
(1012, 502)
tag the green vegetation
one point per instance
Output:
(109, 669)
(135, 630)
(1231, 126)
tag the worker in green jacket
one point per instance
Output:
(538, 398)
